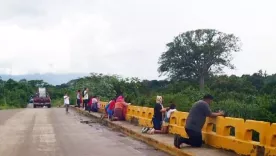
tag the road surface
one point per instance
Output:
(52, 132)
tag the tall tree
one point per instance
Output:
(196, 54)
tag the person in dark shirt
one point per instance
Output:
(158, 116)
(195, 122)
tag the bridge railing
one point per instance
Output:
(228, 133)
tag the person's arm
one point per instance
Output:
(209, 113)
(215, 114)
(163, 110)
(171, 111)
(220, 113)
(126, 104)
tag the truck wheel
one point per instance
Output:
(49, 106)
(34, 106)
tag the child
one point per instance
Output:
(110, 109)
(105, 110)
(166, 120)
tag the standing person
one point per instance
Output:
(158, 115)
(66, 102)
(195, 122)
(81, 101)
(85, 98)
(78, 98)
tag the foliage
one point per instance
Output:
(248, 96)
(191, 56)
(197, 54)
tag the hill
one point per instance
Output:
(54, 79)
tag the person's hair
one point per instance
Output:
(208, 97)
(172, 106)
(158, 99)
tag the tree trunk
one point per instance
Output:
(201, 83)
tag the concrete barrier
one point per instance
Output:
(216, 132)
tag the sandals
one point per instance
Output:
(145, 129)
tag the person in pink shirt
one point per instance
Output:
(120, 109)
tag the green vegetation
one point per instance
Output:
(197, 54)
(15, 94)
(247, 96)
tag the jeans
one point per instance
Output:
(85, 104)
(195, 138)
(78, 102)
(110, 113)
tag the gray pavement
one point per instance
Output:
(52, 132)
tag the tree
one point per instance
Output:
(196, 54)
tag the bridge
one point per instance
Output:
(52, 132)
(221, 134)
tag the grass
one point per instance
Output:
(5, 106)
(57, 102)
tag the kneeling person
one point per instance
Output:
(195, 122)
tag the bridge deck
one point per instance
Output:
(168, 140)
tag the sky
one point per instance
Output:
(126, 37)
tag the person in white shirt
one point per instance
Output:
(166, 120)
(66, 101)
(85, 98)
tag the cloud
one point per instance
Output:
(125, 37)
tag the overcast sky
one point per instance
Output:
(126, 37)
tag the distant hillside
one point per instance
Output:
(54, 79)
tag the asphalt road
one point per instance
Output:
(52, 132)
